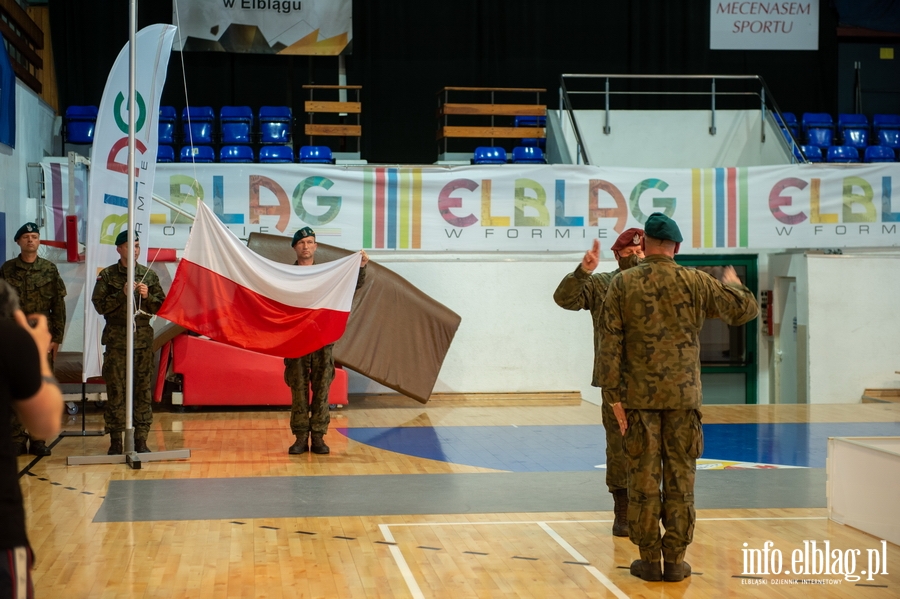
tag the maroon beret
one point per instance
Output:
(628, 237)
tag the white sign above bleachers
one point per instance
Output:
(764, 25)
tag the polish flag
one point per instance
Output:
(231, 294)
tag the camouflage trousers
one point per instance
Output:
(616, 470)
(662, 447)
(113, 371)
(16, 428)
(314, 370)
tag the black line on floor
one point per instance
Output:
(304, 532)
(385, 543)
(475, 553)
(344, 538)
(876, 586)
(236, 522)
(578, 563)
(738, 576)
(531, 559)
(270, 527)
(429, 548)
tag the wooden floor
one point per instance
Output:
(485, 555)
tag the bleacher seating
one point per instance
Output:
(315, 155)
(165, 154)
(812, 153)
(80, 121)
(842, 154)
(528, 155)
(788, 121)
(853, 130)
(236, 124)
(198, 154)
(489, 155)
(818, 128)
(236, 154)
(167, 118)
(198, 122)
(887, 130)
(272, 154)
(275, 125)
(879, 154)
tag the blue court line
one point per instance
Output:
(572, 448)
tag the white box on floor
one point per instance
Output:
(863, 484)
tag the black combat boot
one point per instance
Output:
(20, 448)
(620, 524)
(318, 445)
(140, 446)
(673, 572)
(301, 445)
(115, 444)
(39, 448)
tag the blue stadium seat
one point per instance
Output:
(197, 154)
(275, 124)
(887, 130)
(531, 121)
(528, 155)
(167, 117)
(165, 154)
(788, 120)
(80, 121)
(853, 130)
(489, 155)
(315, 155)
(842, 154)
(272, 154)
(812, 153)
(236, 123)
(236, 154)
(880, 154)
(818, 127)
(197, 122)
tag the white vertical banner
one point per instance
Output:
(108, 199)
(764, 25)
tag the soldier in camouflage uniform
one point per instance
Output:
(585, 290)
(112, 291)
(41, 291)
(316, 368)
(650, 359)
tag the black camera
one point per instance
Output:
(9, 300)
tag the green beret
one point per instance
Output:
(123, 238)
(660, 226)
(301, 234)
(26, 228)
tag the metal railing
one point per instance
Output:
(762, 93)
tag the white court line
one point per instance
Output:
(411, 583)
(544, 524)
(594, 571)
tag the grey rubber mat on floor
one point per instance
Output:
(372, 495)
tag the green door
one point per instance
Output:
(728, 355)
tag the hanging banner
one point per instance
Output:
(528, 208)
(764, 25)
(310, 27)
(108, 188)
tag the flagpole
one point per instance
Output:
(129, 318)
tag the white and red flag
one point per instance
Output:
(229, 293)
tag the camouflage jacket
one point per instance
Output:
(40, 289)
(582, 291)
(109, 300)
(650, 350)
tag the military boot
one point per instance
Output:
(301, 445)
(318, 445)
(19, 448)
(649, 571)
(39, 448)
(140, 446)
(115, 444)
(620, 524)
(673, 572)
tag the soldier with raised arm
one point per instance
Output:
(585, 289)
(650, 373)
